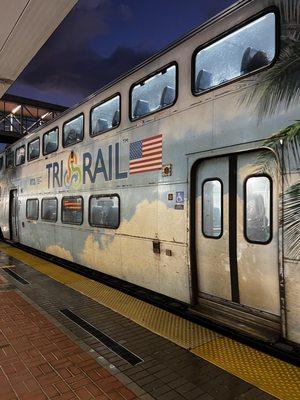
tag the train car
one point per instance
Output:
(154, 179)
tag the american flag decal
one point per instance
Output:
(145, 155)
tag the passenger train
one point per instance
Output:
(154, 179)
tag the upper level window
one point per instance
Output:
(258, 209)
(20, 155)
(73, 131)
(239, 53)
(212, 208)
(50, 141)
(105, 116)
(32, 209)
(34, 149)
(154, 93)
(10, 155)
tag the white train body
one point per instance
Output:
(153, 176)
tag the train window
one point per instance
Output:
(212, 208)
(50, 141)
(10, 159)
(33, 149)
(258, 209)
(72, 210)
(20, 155)
(154, 93)
(104, 211)
(1, 163)
(73, 131)
(248, 49)
(49, 209)
(105, 116)
(32, 209)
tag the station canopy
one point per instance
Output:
(25, 27)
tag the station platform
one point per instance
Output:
(64, 336)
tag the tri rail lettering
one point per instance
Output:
(73, 173)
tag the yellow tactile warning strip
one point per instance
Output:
(275, 377)
(46, 267)
(261, 370)
(178, 330)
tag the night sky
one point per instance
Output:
(101, 39)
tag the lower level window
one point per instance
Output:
(212, 208)
(72, 210)
(258, 209)
(105, 211)
(49, 209)
(32, 209)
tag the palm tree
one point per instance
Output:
(279, 88)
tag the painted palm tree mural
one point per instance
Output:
(278, 89)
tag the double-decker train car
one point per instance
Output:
(154, 179)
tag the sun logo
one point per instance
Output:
(73, 174)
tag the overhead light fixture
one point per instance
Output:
(45, 115)
(16, 109)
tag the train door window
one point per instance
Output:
(49, 209)
(73, 131)
(1, 163)
(72, 210)
(32, 209)
(105, 116)
(50, 141)
(10, 159)
(248, 49)
(33, 149)
(20, 155)
(258, 209)
(104, 211)
(212, 213)
(154, 93)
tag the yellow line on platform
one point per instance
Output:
(274, 376)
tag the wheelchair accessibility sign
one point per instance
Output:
(180, 197)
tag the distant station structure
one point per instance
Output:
(19, 116)
(20, 40)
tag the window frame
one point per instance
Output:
(157, 71)
(63, 128)
(245, 208)
(13, 158)
(42, 201)
(28, 144)
(119, 210)
(235, 28)
(222, 208)
(18, 148)
(38, 209)
(43, 144)
(99, 104)
(61, 211)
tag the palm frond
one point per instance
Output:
(291, 221)
(286, 145)
(279, 86)
(289, 11)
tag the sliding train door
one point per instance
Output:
(14, 215)
(237, 234)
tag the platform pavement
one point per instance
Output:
(46, 356)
